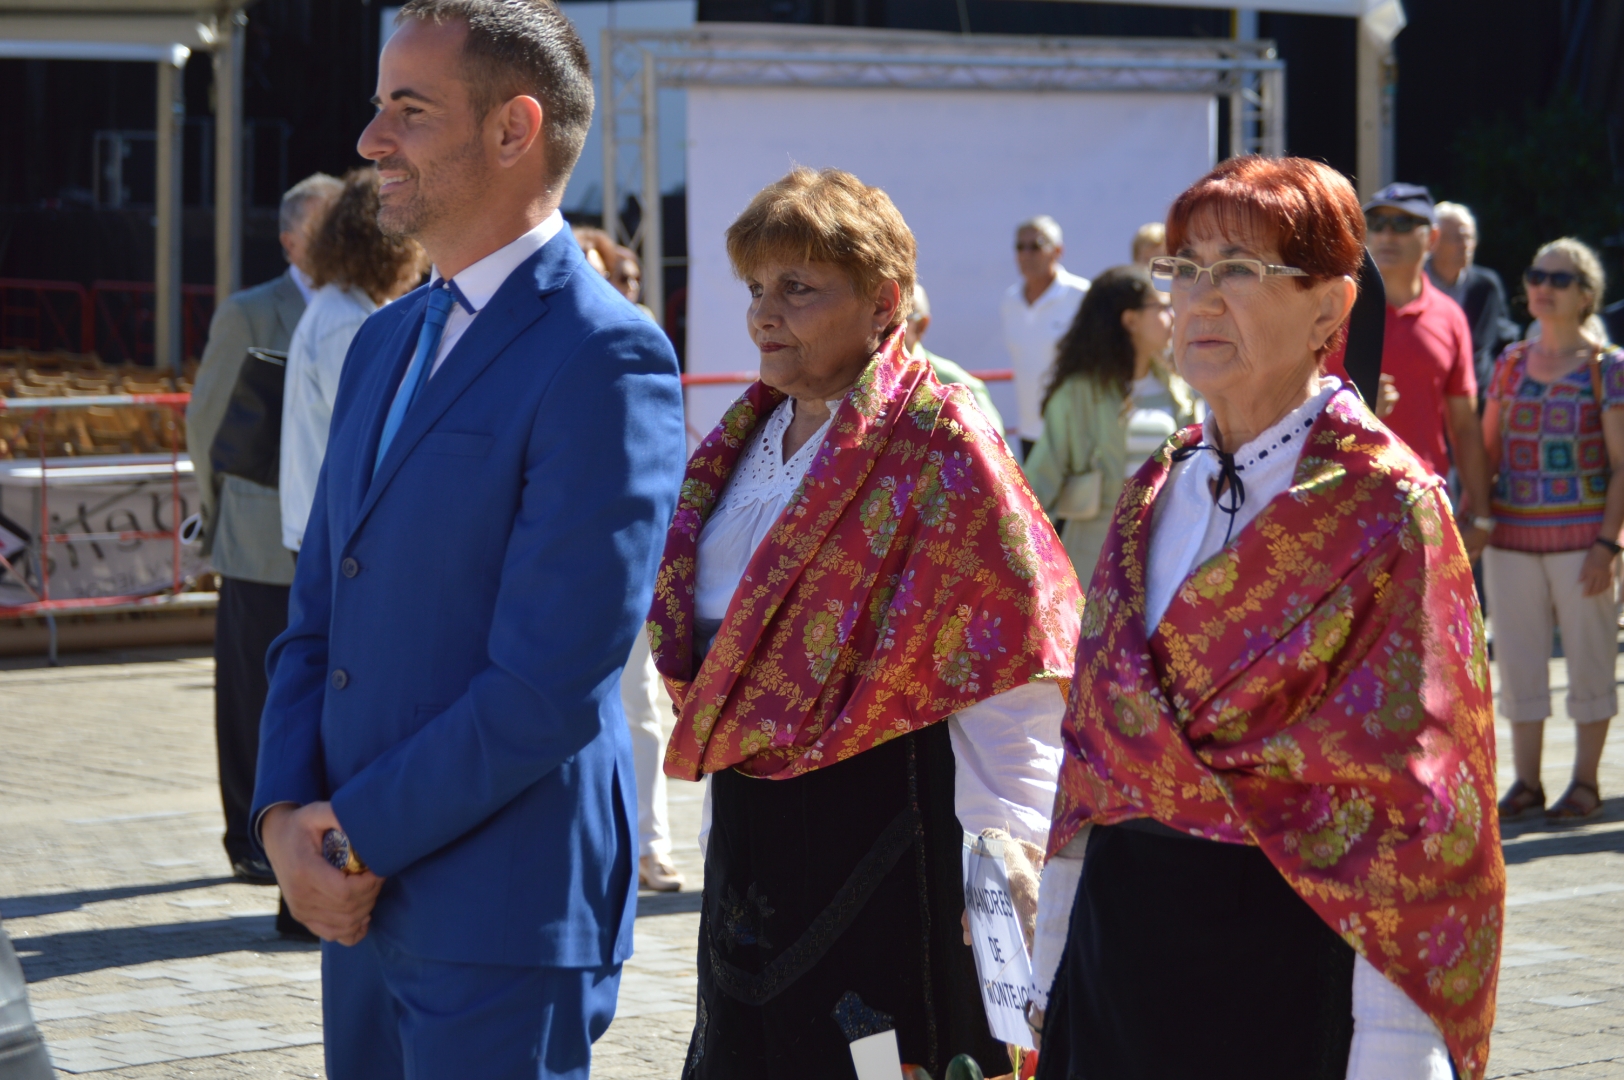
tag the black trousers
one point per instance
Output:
(1190, 958)
(250, 617)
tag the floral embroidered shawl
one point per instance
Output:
(1320, 689)
(911, 575)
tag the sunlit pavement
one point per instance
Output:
(145, 959)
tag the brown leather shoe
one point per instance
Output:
(653, 872)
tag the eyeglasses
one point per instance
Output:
(1031, 247)
(1234, 276)
(1558, 279)
(1403, 224)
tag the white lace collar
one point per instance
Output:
(1189, 528)
(762, 473)
(1280, 442)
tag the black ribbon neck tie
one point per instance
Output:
(1229, 482)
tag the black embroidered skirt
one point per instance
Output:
(844, 880)
(1192, 958)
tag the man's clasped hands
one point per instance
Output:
(335, 906)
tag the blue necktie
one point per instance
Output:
(441, 300)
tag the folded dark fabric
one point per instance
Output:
(249, 442)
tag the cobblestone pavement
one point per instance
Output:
(146, 960)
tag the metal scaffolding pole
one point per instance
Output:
(1274, 113)
(1243, 98)
(228, 63)
(606, 111)
(653, 245)
(171, 124)
(1376, 91)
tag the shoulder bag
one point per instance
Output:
(249, 442)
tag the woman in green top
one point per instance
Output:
(1111, 403)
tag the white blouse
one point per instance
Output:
(315, 361)
(1007, 748)
(1393, 1039)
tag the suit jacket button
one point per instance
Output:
(340, 679)
(349, 567)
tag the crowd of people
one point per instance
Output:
(1521, 429)
(1196, 635)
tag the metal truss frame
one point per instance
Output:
(635, 64)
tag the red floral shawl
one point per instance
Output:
(911, 575)
(1320, 689)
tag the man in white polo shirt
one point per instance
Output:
(1037, 311)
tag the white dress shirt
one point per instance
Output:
(1187, 527)
(1031, 332)
(479, 282)
(301, 282)
(1393, 1039)
(315, 361)
(1006, 748)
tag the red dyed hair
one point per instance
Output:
(1308, 211)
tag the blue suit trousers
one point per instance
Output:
(392, 1016)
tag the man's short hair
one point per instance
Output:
(1152, 234)
(297, 200)
(1460, 215)
(1045, 226)
(519, 47)
(921, 302)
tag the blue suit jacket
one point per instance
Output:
(458, 623)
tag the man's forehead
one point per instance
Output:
(422, 57)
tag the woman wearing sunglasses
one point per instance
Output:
(1554, 426)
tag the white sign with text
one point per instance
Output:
(1002, 964)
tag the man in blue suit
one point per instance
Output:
(506, 449)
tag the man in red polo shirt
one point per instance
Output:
(1427, 355)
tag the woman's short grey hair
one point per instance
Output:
(1460, 215)
(1592, 278)
(297, 200)
(519, 47)
(1045, 226)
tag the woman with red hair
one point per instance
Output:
(1272, 853)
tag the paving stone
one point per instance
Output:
(147, 961)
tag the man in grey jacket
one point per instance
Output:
(243, 521)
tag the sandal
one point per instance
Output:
(1568, 811)
(1520, 799)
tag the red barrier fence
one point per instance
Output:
(117, 316)
(45, 316)
(124, 312)
(39, 408)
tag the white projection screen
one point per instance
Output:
(963, 166)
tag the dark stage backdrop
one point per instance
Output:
(1469, 71)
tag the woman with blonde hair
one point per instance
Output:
(863, 617)
(1554, 424)
(355, 269)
